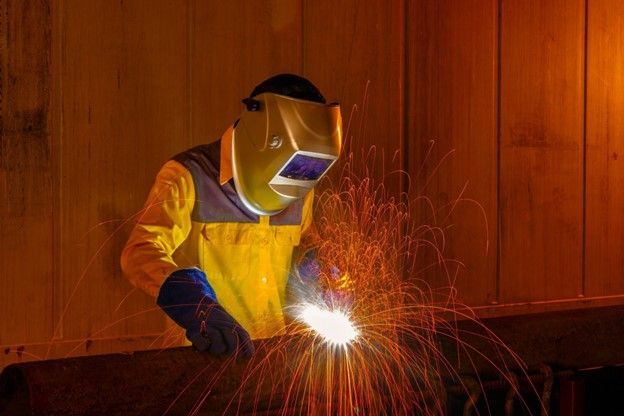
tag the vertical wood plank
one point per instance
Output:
(26, 176)
(125, 112)
(452, 54)
(605, 149)
(541, 166)
(354, 52)
(236, 45)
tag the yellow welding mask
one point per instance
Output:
(281, 147)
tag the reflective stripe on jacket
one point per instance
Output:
(191, 220)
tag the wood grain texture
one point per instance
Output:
(125, 112)
(604, 246)
(93, 108)
(354, 52)
(26, 176)
(452, 54)
(236, 45)
(541, 149)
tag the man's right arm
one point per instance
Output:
(183, 294)
(162, 226)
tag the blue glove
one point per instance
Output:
(187, 298)
(309, 272)
(308, 268)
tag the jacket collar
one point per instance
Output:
(225, 170)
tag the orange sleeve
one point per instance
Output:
(162, 226)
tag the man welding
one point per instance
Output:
(215, 240)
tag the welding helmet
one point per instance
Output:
(286, 139)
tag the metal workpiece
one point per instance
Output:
(185, 381)
(172, 381)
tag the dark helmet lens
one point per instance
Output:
(305, 168)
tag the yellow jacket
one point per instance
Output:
(194, 218)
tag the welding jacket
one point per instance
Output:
(194, 217)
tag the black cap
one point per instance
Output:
(290, 85)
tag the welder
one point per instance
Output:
(215, 240)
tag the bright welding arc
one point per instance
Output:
(333, 325)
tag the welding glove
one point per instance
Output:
(308, 268)
(187, 298)
(309, 272)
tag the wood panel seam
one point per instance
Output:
(57, 113)
(584, 162)
(499, 72)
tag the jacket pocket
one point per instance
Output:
(228, 233)
(287, 234)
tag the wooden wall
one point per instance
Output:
(521, 97)
(505, 115)
(452, 150)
